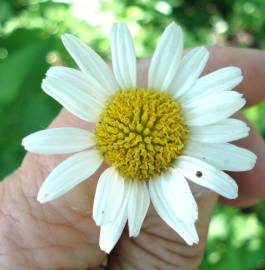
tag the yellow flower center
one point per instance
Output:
(141, 132)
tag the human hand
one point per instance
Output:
(62, 234)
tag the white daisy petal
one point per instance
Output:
(75, 92)
(138, 204)
(69, 174)
(186, 230)
(123, 56)
(213, 108)
(177, 193)
(90, 62)
(208, 176)
(226, 130)
(110, 233)
(83, 81)
(59, 141)
(108, 197)
(190, 69)
(223, 79)
(166, 59)
(224, 156)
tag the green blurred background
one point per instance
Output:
(30, 42)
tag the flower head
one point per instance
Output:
(154, 139)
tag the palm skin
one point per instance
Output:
(62, 234)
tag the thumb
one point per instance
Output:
(159, 247)
(64, 226)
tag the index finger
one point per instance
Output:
(250, 61)
(252, 64)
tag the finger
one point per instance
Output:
(252, 64)
(159, 247)
(70, 216)
(251, 183)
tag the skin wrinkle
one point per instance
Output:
(123, 258)
(147, 253)
(11, 241)
(171, 247)
(33, 250)
(141, 247)
(151, 261)
(157, 255)
(8, 260)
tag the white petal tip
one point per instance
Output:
(44, 83)
(106, 250)
(27, 148)
(24, 142)
(235, 69)
(105, 247)
(233, 191)
(193, 241)
(242, 102)
(175, 25)
(232, 196)
(43, 197)
(42, 200)
(96, 221)
(251, 166)
(253, 160)
(134, 234)
(172, 23)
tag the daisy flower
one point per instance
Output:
(156, 140)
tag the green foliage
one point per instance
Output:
(23, 107)
(30, 42)
(236, 239)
